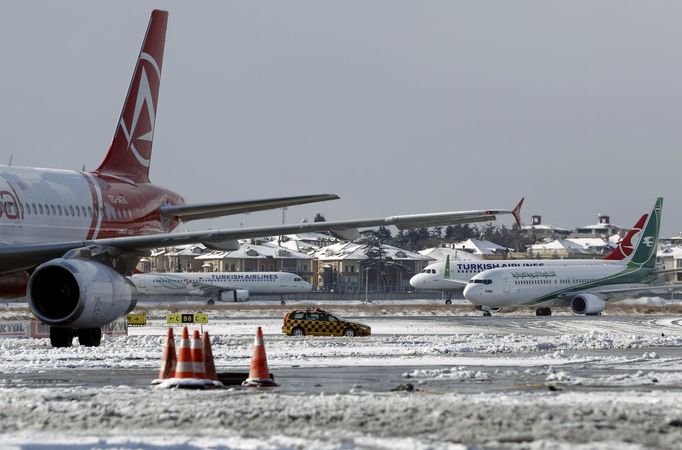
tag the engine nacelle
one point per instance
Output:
(587, 304)
(237, 295)
(79, 293)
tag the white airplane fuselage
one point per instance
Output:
(432, 277)
(50, 205)
(543, 286)
(275, 283)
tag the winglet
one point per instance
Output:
(517, 211)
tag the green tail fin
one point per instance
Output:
(446, 274)
(645, 252)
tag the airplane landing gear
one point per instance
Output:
(545, 311)
(487, 313)
(448, 301)
(210, 302)
(61, 337)
(90, 337)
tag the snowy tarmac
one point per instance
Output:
(508, 381)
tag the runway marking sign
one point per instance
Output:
(186, 318)
(137, 320)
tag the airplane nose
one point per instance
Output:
(472, 293)
(417, 281)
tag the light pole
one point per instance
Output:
(366, 281)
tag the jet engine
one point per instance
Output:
(79, 293)
(589, 304)
(237, 295)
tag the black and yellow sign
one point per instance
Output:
(137, 320)
(186, 318)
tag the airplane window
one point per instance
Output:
(54, 211)
(28, 208)
(59, 209)
(47, 209)
(33, 207)
(84, 212)
(89, 211)
(78, 211)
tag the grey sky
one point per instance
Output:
(397, 106)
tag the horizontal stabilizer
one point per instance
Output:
(211, 210)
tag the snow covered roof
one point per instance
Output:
(441, 254)
(253, 251)
(186, 250)
(590, 242)
(354, 251)
(668, 251)
(558, 245)
(480, 247)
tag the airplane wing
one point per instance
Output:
(22, 257)
(210, 210)
(609, 292)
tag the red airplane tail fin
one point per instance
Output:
(131, 150)
(626, 246)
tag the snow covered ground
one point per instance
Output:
(512, 382)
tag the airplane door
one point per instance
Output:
(506, 285)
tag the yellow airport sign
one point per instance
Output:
(186, 318)
(137, 320)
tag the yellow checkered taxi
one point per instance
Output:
(320, 323)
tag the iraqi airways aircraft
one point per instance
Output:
(585, 287)
(449, 277)
(68, 238)
(220, 286)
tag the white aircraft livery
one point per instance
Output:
(454, 276)
(584, 287)
(220, 286)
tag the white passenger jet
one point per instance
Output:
(585, 287)
(450, 277)
(220, 286)
(68, 238)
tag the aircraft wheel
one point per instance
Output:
(487, 313)
(210, 302)
(282, 302)
(448, 302)
(543, 312)
(61, 337)
(90, 337)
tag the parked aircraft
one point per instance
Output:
(585, 287)
(69, 237)
(449, 277)
(220, 286)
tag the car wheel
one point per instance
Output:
(349, 332)
(298, 331)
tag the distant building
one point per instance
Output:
(603, 228)
(352, 267)
(671, 258)
(558, 248)
(540, 231)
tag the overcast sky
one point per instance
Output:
(396, 106)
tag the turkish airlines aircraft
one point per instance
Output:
(448, 277)
(221, 286)
(67, 238)
(585, 287)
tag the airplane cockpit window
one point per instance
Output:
(297, 279)
(481, 281)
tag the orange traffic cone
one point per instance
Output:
(169, 359)
(209, 365)
(197, 356)
(184, 367)
(259, 375)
